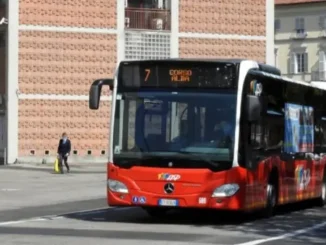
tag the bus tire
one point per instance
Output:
(271, 195)
(322, 199)
(155, 212)
(271, 201)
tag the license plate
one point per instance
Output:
(168, 202)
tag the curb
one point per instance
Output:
(49, 169)
(50, 166)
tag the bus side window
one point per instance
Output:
(322, 135)
(274, 132)
(256, 139)
(319, 136)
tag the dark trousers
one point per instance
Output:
(63, 159)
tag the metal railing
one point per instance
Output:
(299, 34)
(147, 19)
(318, 76)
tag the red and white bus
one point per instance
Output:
(215, 134)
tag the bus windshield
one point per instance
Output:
(186, 125)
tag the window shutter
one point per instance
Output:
(322, 65)
(277, 25)
(322, 22)
(302, 24)
(292, 63)
(297, 23)
(305, 60)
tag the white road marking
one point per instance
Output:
(284, 236)
(61, 216)
(21, 221)
(9, 189)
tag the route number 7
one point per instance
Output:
(148, 72)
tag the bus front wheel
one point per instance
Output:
(322, 198)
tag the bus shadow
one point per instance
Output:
(288, 219)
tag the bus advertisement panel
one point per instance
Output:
(299, 128)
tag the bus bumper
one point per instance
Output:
(202, 200)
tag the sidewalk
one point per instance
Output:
(75, 168)
(85, 164)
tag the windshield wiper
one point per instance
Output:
(209, 161)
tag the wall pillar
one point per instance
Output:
(12, 80)
(174, 39)
(270, 9)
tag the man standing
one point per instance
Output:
(64, 149)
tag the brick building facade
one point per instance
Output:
(58, 47)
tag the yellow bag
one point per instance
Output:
(56, 166)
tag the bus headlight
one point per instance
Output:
(117, 186)
(226, 190)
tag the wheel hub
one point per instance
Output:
(323, 192)
(271, 195)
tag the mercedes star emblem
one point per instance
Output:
(168, 188)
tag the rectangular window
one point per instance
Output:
(302, 60)
(268, 133)
(277, 25)
(299, 63)
(148, 14)
(322, 22)
(300, 25)
(256, 135)
(274, 129)
(322, 67)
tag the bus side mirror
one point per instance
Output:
(95, 92)
(253, 108)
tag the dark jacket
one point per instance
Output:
(64, 148)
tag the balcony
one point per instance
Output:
(148, 19)
(323, 34)
(318, 76)
(299, 34)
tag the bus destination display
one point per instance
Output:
(180, 75)
(177, 74)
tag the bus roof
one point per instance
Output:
(285, 79)
(235, 61)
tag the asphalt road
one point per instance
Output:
(66, 222)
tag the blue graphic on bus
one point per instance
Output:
(299, 128)
(135, 199)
